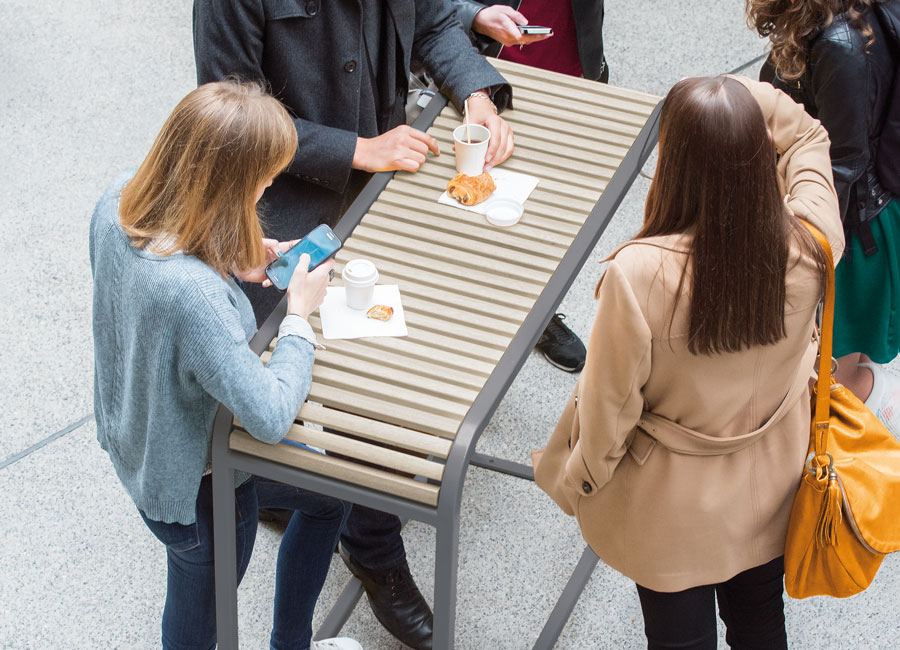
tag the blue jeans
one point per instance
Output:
(189, 617)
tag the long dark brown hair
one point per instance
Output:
(716, 180)
(788, 23)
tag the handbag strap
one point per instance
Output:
(820, 422)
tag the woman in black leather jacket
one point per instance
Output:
(833, 57)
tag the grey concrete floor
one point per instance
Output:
(86, 85)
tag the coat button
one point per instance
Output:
(586, 487)
(350, 66)
(312, 8)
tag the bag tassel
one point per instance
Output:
(830, 515)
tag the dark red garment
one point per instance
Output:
(559, 53)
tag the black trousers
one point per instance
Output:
(750, 605)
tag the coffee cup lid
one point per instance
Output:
(360, 272)
(503, 211)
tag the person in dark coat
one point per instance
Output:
(341, 69)
(835, 59)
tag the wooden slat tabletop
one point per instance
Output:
(387, 409)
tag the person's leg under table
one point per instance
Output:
(372, 548)
(304, 557)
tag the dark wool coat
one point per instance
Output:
(311, 53)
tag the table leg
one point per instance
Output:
(496, 464)
(340, 611)
(225, 555)
(446, 565)
(566, 603)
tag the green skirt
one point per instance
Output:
(867, 299)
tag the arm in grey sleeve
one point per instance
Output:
(465, 11)
(451, 60)
(265, 398)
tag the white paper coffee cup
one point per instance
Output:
(470, 155)
(359, 277)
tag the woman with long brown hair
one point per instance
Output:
(680, 449)
(833, 57)
(171, 328)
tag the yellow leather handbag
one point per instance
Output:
(846, 515)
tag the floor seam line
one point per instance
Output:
(749, 63)
(46, 441)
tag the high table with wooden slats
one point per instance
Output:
(399, 417)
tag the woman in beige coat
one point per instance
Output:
(681, 448)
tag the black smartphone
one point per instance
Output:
(320, 244)
(535, 29)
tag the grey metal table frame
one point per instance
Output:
(444, 517)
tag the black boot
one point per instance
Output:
(396, 602)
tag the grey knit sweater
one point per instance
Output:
(170, 342)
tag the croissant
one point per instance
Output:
(470, 190)
(381, 312)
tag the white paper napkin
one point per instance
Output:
(341, 322)
(510, 185)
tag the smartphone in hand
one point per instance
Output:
(535, 29)
(320, 244)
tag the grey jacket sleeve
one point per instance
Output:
(456, 67)
(228, 41)
(465, 11)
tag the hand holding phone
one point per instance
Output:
(320, 244)
(535, 29)
(504, 25)
(306, 290)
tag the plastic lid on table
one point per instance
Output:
(503, 211)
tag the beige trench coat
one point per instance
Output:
(671, 520)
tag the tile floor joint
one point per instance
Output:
(749, 63)
(46, 441)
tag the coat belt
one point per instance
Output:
(682, 440)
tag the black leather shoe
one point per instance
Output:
(396, 602)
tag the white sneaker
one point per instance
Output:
(336, 643)
(884, 400)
